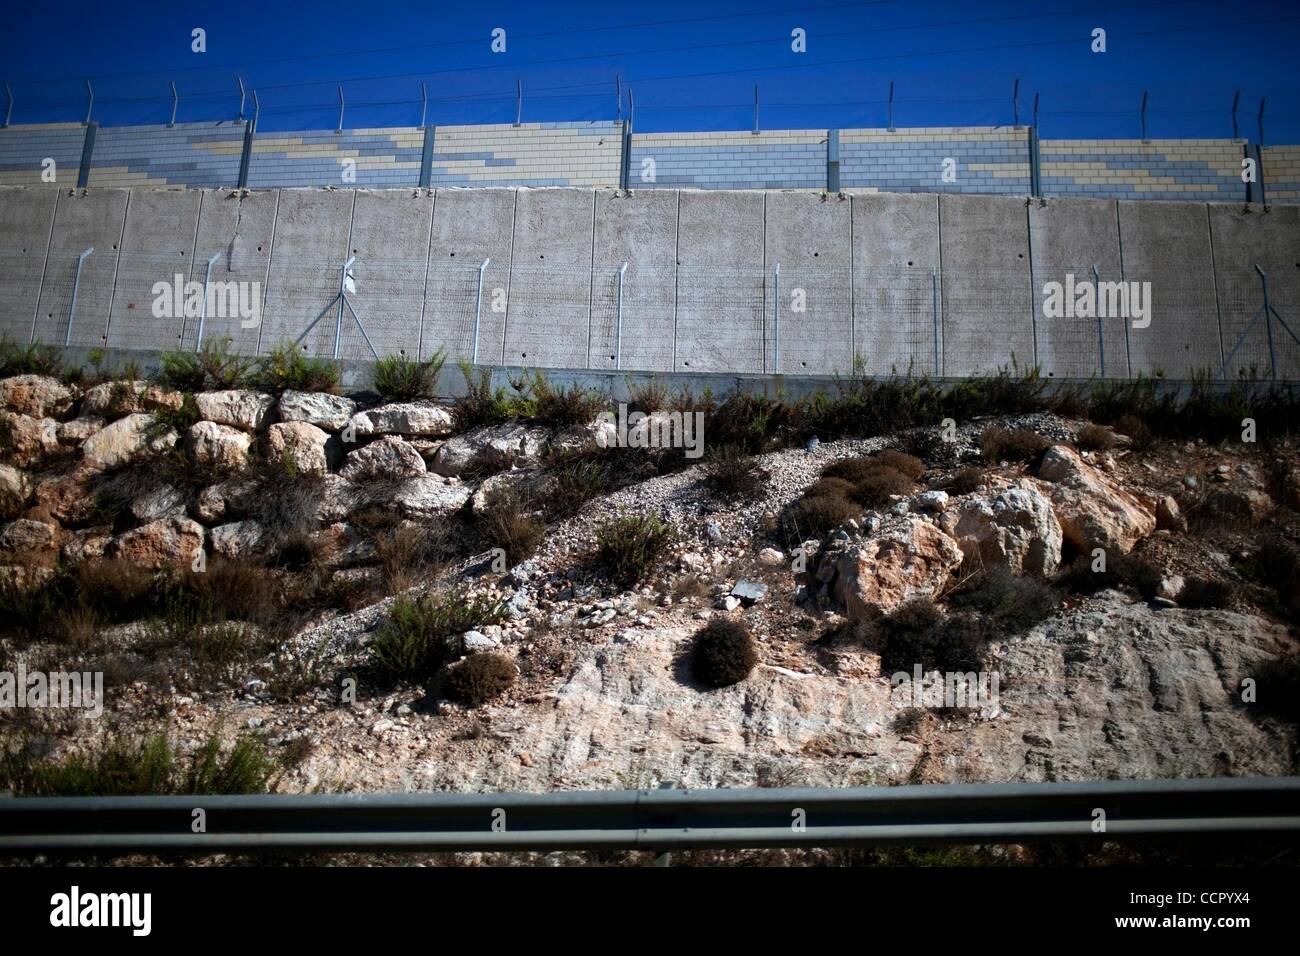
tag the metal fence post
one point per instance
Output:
(478, 309)
(203, 311)
(9, 110)
(618, 320)
(776, 320)
(1268, 321)
(1101, 334)
(338, 324)
(176, 102)
(76, 287)
(934, 314)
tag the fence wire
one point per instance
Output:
(793, 321)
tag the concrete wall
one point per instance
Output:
(354, 157)
(887, 279)
(187, 154)
(772, 159)
(1183, 169)
(984, 160)
(23, 149)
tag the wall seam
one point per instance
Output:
(45, 264)
(424, 295)
(270, 259)
(117, 264)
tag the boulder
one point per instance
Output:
(238, 539)
(491, 447)
(89, 545)
(339, 498)
(222, 448)
(224, 500)
(330, 412)
(1169, 515)
(15, 490)
(403, 418)
(173, 540)
(389, 458)
(601, 433)
(126, 441)
(37, 396)
(29, 439)
(1015, 529)
(68, 498)
(301, 443)
(428, 496)
(79, 429)
(1238, 506)
(1093, 512)
(236, 407)
(25, 536)
(161, 502)
(24, 577)
(115, 399)
(909, 558)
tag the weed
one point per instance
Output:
(480, 677)
(733, 475)
(399, 379)
(629, 546)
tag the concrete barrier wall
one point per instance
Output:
(948, 285)
(24, 149)
(1182, 169)
(936, 160)
(187, 154)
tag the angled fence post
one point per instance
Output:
(76, 287)
(176, 102)
(618, 319)
(203, 310)
(9, 110)
(338, 323)
(1101, 334)
(1267, 313)
(478, 310)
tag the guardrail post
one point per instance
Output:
(478, 309)
(76, 287)
(618, 320)
(203, 311)
(1101, 333)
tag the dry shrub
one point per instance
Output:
(1004, 444)
(508, 524)
(851, 470)
(734, 475)
(907, 465)
(1199, 592)
(965, 481)
(832, 487)
(919, 633)
(480, 677)
(1095, 438)
(878, 486)
(1138, 432)
(725, 653)
(629, 546)
(817, 516)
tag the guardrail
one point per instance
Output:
(658, 820)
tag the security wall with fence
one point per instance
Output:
(1002, 160)
(708, 281)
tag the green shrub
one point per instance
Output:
(481, 404)
(507, 524)
(1003, 444)
(559, 407)
(480, 677)
(211, 368)
(629, 546)
(725, 653)
(287, 367)
(416, 639)
(733, 475)
(34, 359)
(399, 379)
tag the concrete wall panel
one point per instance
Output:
(638, 228)
(722, 285)
(82, 220)
(390, 238)
(469, 226)
(312, 233)
(1242, 240)
(895, 249)
(548, 321)
(1169, 247)
(987, 303)
(1068, 237)
(157, 246)
(809, 237)
(26, 221)
(238, 228)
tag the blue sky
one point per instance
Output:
(690, 65)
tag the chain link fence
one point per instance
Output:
(778, 320)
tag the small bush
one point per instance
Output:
(34, 359)
(480, 677)
(559, 407)
(287, 367)
(1009, 601)
(629, 546)
(733, 475)
(1277, 564)
(851, 470)
(1003, 444)
(879, 485)
(1129, 570)
(919, 633)
(725, 653)
(1201, 592)
(508, 524)
(576, 477)
(399, 379)
(965, 481)
(1139, 432)
(481, 404)
(818, 516)
(1095, 438)
(415, 641)
(211, 368)
(1278, 681)
(833, 487)
(906, 465)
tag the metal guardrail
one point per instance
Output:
(658, 820)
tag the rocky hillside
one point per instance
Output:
(395, 596)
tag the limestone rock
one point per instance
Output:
(115, 399)
(89, 545)
(238, 539)
(490, 447)
(166, 541)
(125, 442)
(236, 407)
(403, 418)
(389, 458)
(1015, 529)
(224, 500)
(161, 502)
(330, 412)
(428, 496)
(38, 396)
(79, 429)
(68, 498)
(301, 443)
(909, 558)
(15, 490)
(31, 439)
(222, 448)
(1093, 512)
(25, 536)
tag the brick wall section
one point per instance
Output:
(774, 159)
(532, 154)
(987, 160)
(1282, 174)
(1185, 169)
(187, 154)
(23, 148)
(388, 157)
